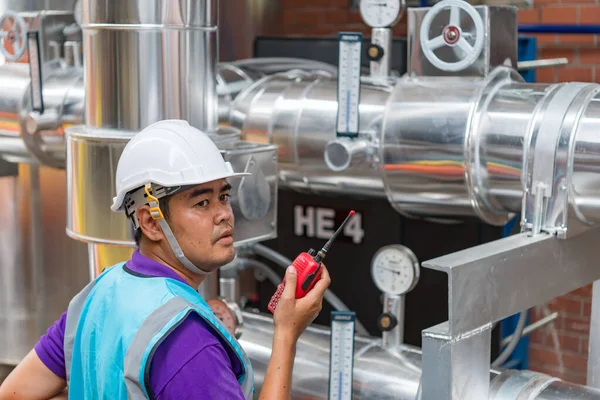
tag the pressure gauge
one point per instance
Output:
(229, 313)
(395, 269)
(380, 13)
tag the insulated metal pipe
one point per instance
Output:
(384, 373)
(158, 61)
(441, 147)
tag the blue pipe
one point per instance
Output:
(535, 28)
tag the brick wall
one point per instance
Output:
(559, 349)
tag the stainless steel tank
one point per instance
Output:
(383, 373)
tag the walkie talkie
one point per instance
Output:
(308, 268)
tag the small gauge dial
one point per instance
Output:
(380, 13)
(224, 314)
(395, 269)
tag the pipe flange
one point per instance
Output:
(475, 161)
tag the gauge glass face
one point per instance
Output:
(379, 13)
(393, 271)
(224, 314)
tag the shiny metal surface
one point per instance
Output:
(456, 367)
(158, 62)
(482, 289)
(381, 373)
(440, 147)
(378, 373)
(41, 268)
(40, 135)
(297, 111)
(499, 41)
(93, 155)
(394, 304)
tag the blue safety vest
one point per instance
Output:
(117, 321)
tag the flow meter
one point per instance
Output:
(395, 271)
(381, 16)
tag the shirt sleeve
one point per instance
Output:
(50, 348)
(207, 375)
(192, 363)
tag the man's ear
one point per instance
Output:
(149, 226)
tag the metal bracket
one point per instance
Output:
(482, 289)
(549, 159)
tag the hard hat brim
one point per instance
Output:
(117, 205)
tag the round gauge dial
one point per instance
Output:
(395, 269)
(380, 13)
(224, 314)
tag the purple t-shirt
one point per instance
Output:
(190, 363)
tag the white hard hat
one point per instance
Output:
(169, 153)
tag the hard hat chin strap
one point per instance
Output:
(157, 215)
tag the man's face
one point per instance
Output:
(202, 221)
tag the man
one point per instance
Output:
(141, 330)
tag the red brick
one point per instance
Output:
(566, 305)
(559, 15)
(531, 16)
(554, 52)
(587, 304)
(539, 336)
(543, 355)
(585, 346)
(545, 39)
(303, 4)
(569, 342)
(400, 29)
(575, 362)
(576, 324)
(575, 74)
(336, 17)
(543, 368)
(589, 15)
(589, 56)
(585, 291)
(355, 18)
(577, 40)
(546, 75)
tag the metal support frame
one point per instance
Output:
(482, 289)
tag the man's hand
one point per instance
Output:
(292, 316)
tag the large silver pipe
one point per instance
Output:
(296, 110)
(381, 373)
(64, 94)
(442, 147)
(131, 87)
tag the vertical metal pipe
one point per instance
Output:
(394, 305)
(158, 62)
